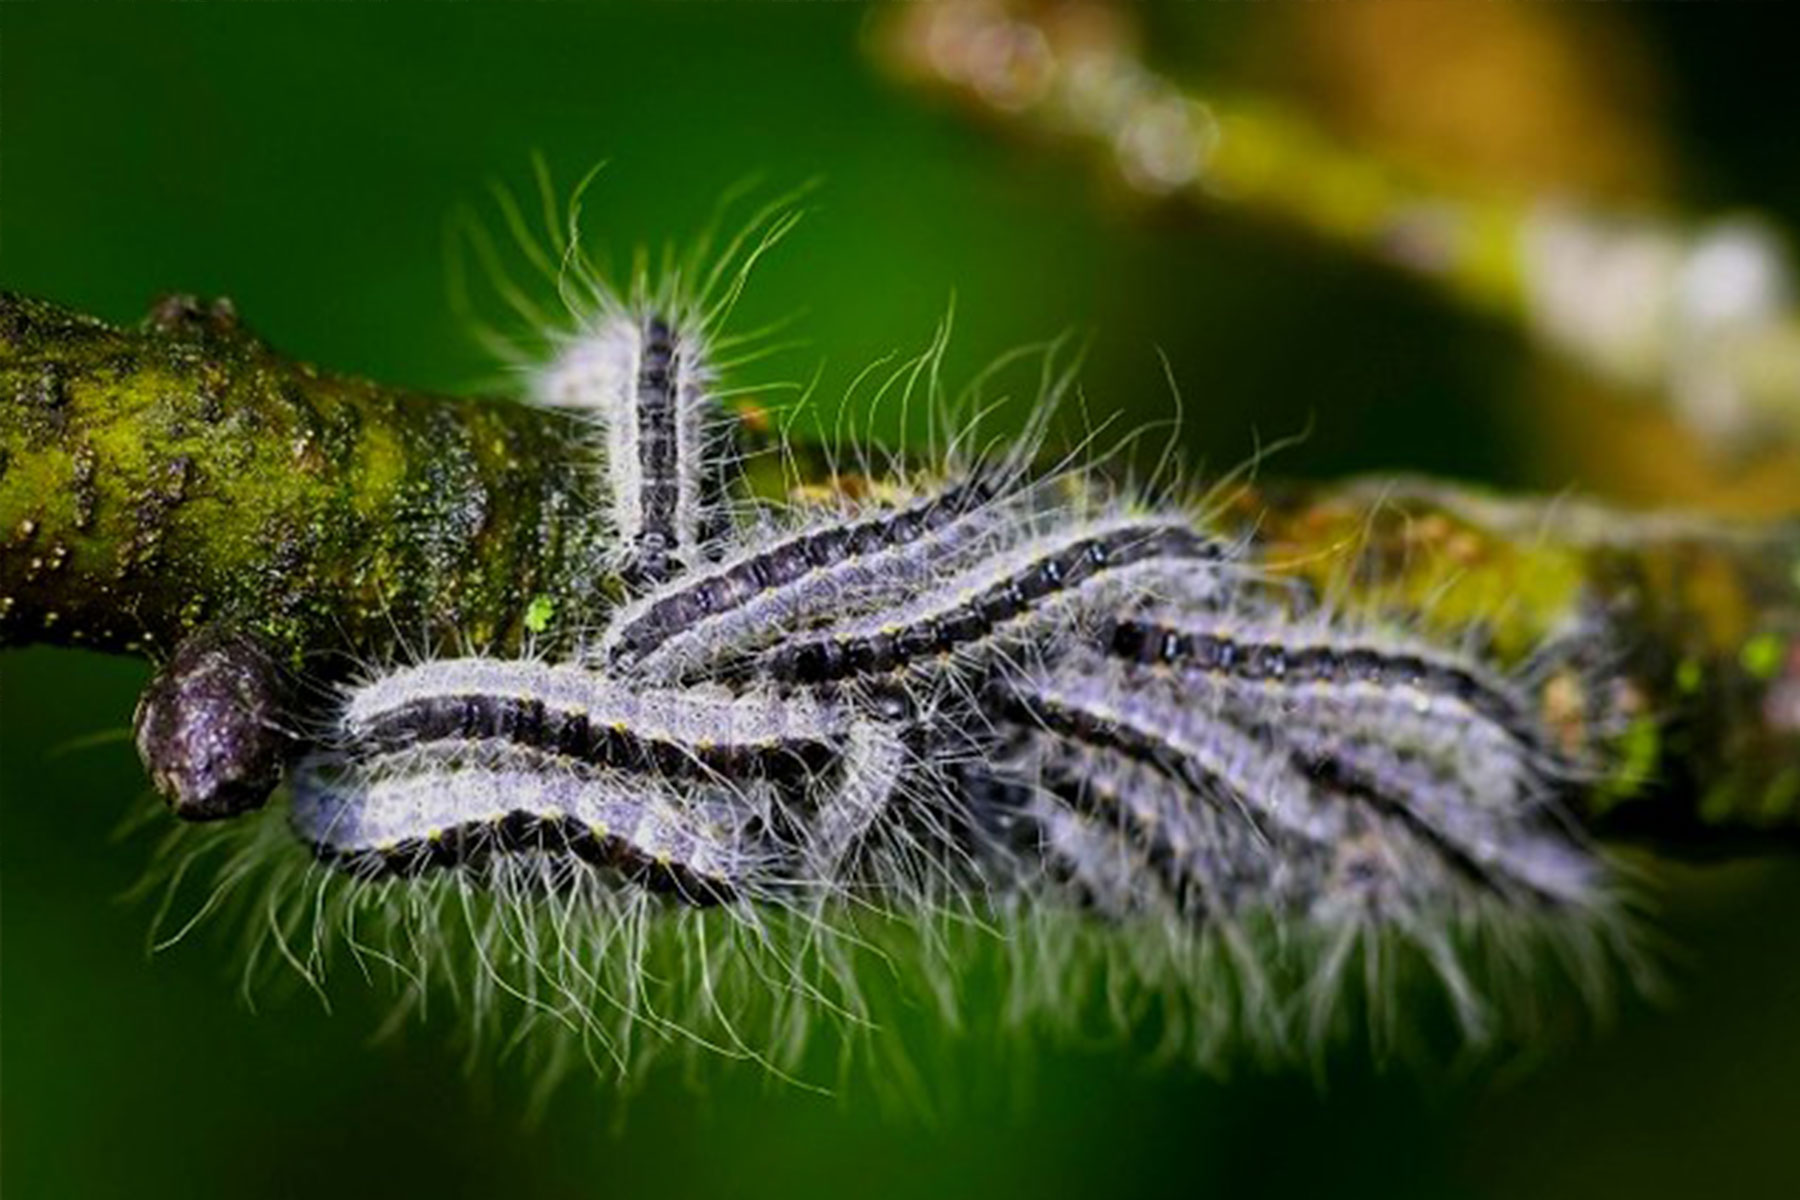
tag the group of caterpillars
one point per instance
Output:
(987, 688)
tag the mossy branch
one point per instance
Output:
(160, 484)
(158, 479)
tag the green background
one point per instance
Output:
(303, 160)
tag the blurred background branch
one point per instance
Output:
(1497, 153)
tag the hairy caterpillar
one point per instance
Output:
(1037, 585)
(461, 807)
(830, 567)
(648, 388)
(588, 717)
(1434, 703)
(1037, 709)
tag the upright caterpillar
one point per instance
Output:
(645, 383)
(985, 699)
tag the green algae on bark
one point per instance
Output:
(158, 479)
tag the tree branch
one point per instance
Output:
(156, 480)
(182, 485)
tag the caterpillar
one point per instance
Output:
(789, 581)
(1036, 585)
(705, 731)
(644, 382)
(462, 807)
(1036, 707)
(1106, 704)
(1429, 694)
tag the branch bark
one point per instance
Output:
(159, 479)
